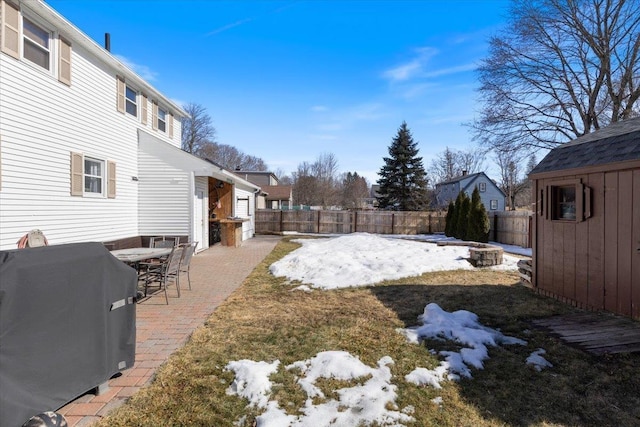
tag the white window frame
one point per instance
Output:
(162, 119)
(50, 49)
(86, 175)
(482, 187)
(493, 205)
(128, 101)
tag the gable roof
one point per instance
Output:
(277, 192)
(462, 178)
(617, 142)
(466, 181)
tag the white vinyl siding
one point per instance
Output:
(70, 119)
(39, 196)
(244, 208)
(166, 195)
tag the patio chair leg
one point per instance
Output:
(166, 295)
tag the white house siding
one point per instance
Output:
(41, 122)
(202, 184)
(37, 139)
(166, 193)
(244, 209)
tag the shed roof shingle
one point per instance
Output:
(616, 143)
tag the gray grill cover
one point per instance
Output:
(67, 325)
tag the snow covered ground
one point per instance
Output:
(362, 259)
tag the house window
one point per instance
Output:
(482, 187)
(93, 176)
(131, 101)
(493, 205)
(563, 202)
(162, 120)
(35, 45)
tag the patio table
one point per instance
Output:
(133, 255)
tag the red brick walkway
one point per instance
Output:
(162, 329)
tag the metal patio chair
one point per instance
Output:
(185, 262)
(163, 273)
(162, 242)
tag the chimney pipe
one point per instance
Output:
(107, 42)
(464, 173)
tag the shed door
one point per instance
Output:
(622, 242)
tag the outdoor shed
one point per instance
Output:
(586, 225)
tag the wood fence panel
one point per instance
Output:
(507, 227)
(375, 222)
(510, 227)
(336, 222)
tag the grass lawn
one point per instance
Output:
(265, 321)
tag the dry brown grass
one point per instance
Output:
(265, 320)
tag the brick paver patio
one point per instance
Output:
(162, 329)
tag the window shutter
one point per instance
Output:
(77, 174)
(10, 31)
(120, 90)
(144, 110)
(170, 125)
(64, 63)
(579, 202)
(154, 115)
(0, 162)
(111, 180)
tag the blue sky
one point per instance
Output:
(289, 80)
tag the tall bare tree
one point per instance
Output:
(559, 70)
(197, 128)
(355, 191)
(304, 185)
(450, 163)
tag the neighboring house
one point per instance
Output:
(492, 196)
(586, 224)
(279, 197)
(258, 177)
(273, 195)
(89, 151)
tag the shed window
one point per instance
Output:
(563, 202)
(482, 187)
(493, 205)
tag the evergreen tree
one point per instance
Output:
(478, 227)
(463, 217)
(448, 222)
(457, 207)
(403, 180)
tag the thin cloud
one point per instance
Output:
(141, 70)
(412, 68)
(229, 26)
(319, 109)
(247, 20)
(451, 70)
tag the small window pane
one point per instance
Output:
(132, 106)
(564, 200)
(93, 176)
(35, 54)
(162, 124)
(36, 34)
(493, 205)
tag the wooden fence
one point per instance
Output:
(511, 228)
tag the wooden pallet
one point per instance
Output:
(595, 333)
